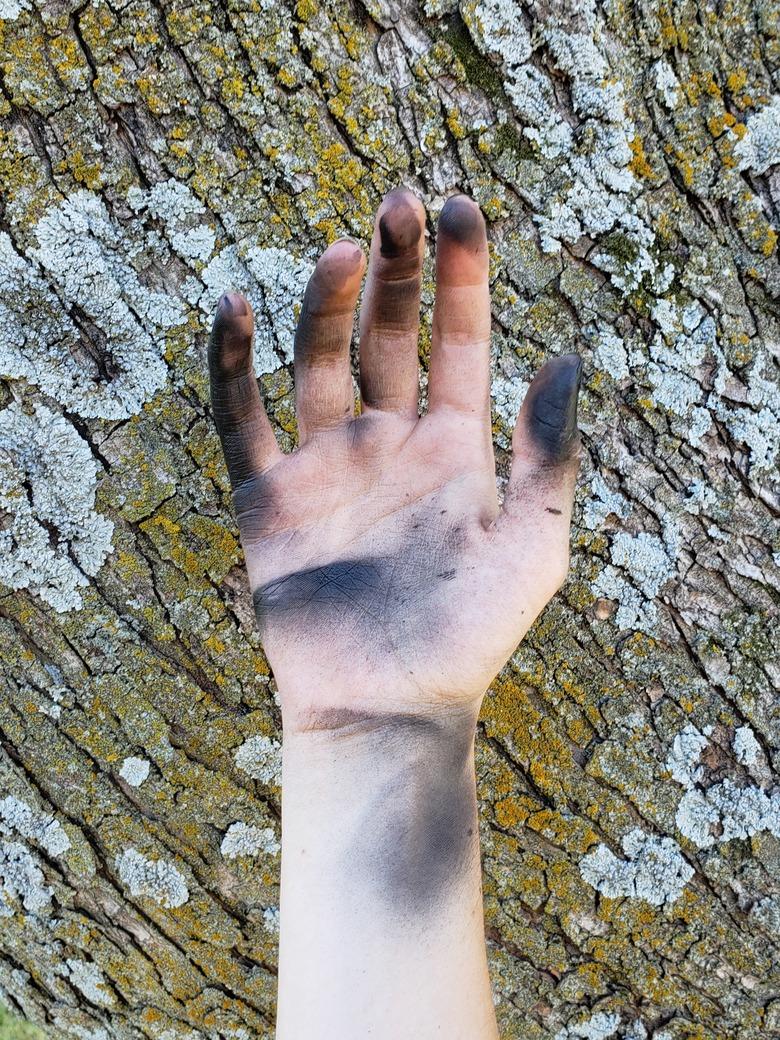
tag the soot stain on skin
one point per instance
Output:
(460, 220)
(399, 228)
(551, 409)
(371, 592)
(416, 837)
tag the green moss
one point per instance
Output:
(478, 71)
(622, 247)
(507, 139)
(12, 1028)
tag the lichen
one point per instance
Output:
(241, 839)
(89, 980)
(261, 758)
(55, 339)
(174, 204)
(157, 879)
(42, 828)
(648, 561)
(11, 9)
(746, 748)
(134, 770)
(271, 919)
(654, 870)
(760, 147)
(44, 452)
(600, 1026)
(683, 759)
(21, 878)
(716, 814)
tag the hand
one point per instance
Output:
(385, 577)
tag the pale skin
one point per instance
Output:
(390, 587)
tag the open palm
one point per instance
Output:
(385, 576)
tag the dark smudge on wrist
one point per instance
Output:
(417, 835)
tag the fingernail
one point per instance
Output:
(232, 304)
(553, 419)
(352, 258)
(461, 219)
(399, 227)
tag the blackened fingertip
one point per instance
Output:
(399, 227)
(574, 363)
(461, 220)
(552, 420)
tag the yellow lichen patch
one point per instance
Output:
(83, 172)
(510, 812)
(639, 165)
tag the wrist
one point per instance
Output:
(385, 806)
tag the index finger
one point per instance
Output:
(248, 440)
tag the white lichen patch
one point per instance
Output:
(701, 498)
(683, 760)
(157, 879)
(760, 147)
(654, 870)
(688, 339)
(21, 878)
(180, 212)
(757, 422)
(52, 541)
(508, 392)
(724, 811)
(241, 839)
(746, 747)
(602, 1026)
(88, 978)
(42, 828)
(598, 1027)
(134, 771)
(11, 9)
(604, 502)
(667, 84)
(590, 188)
(640, 566)
(271, 919)
(273, 281)
(261, 757)
(611, 355)
(77, 321)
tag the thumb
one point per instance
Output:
(545, 459)
(546, 433)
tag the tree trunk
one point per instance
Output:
(154, 154)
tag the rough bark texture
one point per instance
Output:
(154, 153)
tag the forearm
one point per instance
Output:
(382, 929)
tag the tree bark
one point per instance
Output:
(154, 154)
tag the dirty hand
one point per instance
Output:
(390, 588)
(385, 576)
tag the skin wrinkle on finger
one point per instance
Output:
(248, 440)
(390, 310)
